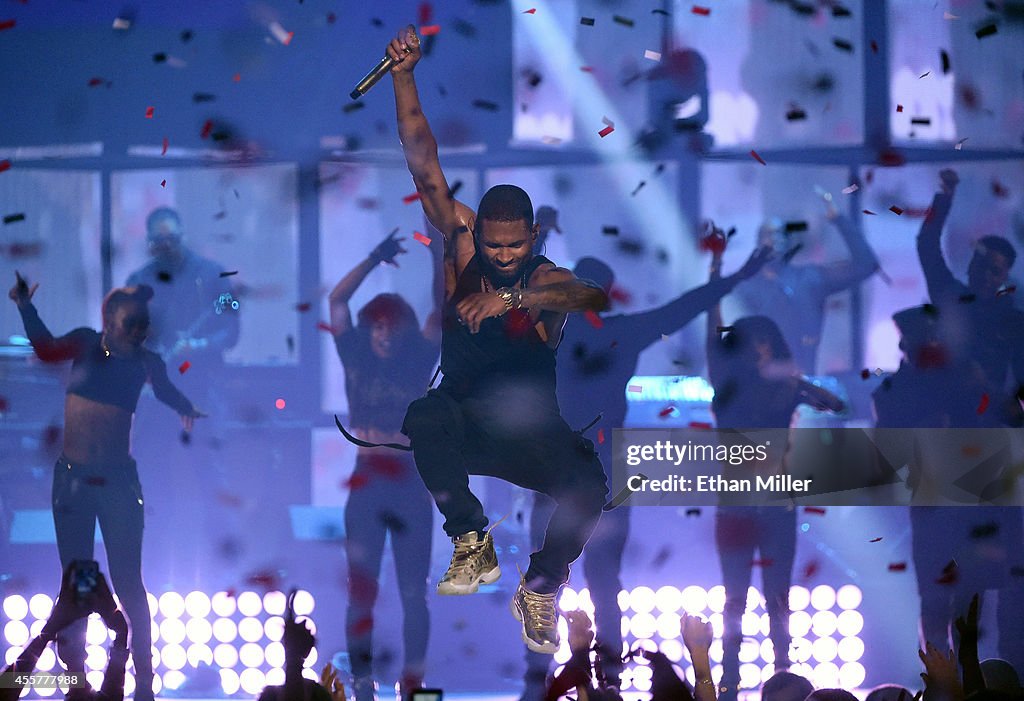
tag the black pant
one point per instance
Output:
(453, 439)
(387, 496)
(112, 495)
(739, 532)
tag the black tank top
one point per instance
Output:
(506, 352)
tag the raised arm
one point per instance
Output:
(341, 316)
(48, 348)
(441, 266)
(453, 219)
(941, 282)
(862, 262)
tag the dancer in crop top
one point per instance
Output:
(95, 478)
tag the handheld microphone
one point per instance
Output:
(371, 78)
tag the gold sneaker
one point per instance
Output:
(539, 617)
(474, 562)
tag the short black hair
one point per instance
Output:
(998, 244)
(388, 307)
(505, 203)
(162, 213)
(119, 296)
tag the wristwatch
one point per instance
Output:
(511, 296)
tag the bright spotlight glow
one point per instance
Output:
(799, 624)
(668, 626)
(767, 651)
(824, 649)
(275, 677)
(172, 631)
(716, 652)
(851, 649)
(313, 656)
(642, 678)
(799, 598)
(95, 678)
(15, 607)
(154, 606)
(40, 605)
(311, 674)
(173, 656)
(751, 624)
(47, 660)
(173, 680)
(668, 599)
(754, 599)
(693, 599)
(562, 655)
(825, 676)
(95, 631)
(251, 655)
(642, 625)
(800, 651)
(716, 598)
(850, 623)
(198, 654)
(249, 604)
(823, 623)
(750, 676)
(304, 603)
(225, 630)
(274, 654)
(641, 599)
(250, 629)
(273, 628)
(584, 602)
(16, 633)
(36, 628)
(851, 675)
(252, 681)
(198, 630)
(172, 604)
(623, 599)
(129, 684)
(154, 630)
(223, 605)
(672, 649)
(197, 604)
(849, 597)
(567, 601)
(717, 624)
(225, 656)
(95, 657)
(750, 651)
(823, 598)
(229, 681)
(12, 654)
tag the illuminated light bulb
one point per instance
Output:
(274, 603)
(849, 597)
(250, 630)
(223, 605)
(668, 599)
(229, 681)
(823, 598)
(250, 604)
(15, 607)
(40, 605)
(197, 604)
(799, 598)
(304, 603)
(172, 604)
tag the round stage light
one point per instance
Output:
(15, 607)
(40, 605)
(824, 623)
(12, 654)
(275, 677)
(36, 628)
(767, 651)
(47, 660)
(851, 675)
(672, 649)
(750, 651)
(623, 600)
(767, 672)
(173, 656)
(824, 649)
(198, 630)
(849, 596)
(172, 604)
(311, 660)
(95, 657)
(642, 625)
(250, 604)
(197, 604)
(823, 598)
(750, 676)
(304, 603)
(274, 654)
(563, 654)
(851, 649)
(642, 678)
(223, 604)
(311, 624)
(311, 674)
(199, 653)
(252, 681)
(172, 631)
(669, 626)
(229, 681)
(95, 631)
(95, 678)
(250, 630)
(567, 600)
(274, 603)
(251, 655)
(584, 602)
(799, 624)
(717, 621)
(716, 598)
(273, 628)
(646, 644)
(16, 633)
(799, 598)
(154, 606)
(750, 624)
(668, 599)
(754, 600)
(800, 650)
(850, 623)
(624, 626)
(225, 630)
(803, 669)
(173, 680)
(46, 691)
(129, 684)
(693, 599)
(641, 599)
(716, 651)
(154, 630)
(825, 676)
(225, 656)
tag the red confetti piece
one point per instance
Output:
(594, 320)
(237, 77)
(868, 211)
(814, 510)
(702, 11)
(183, 368)
(753, 154)
(600, 436)
(6, 24)
(425, 240)
(426, 12)
(667, 411)
(303, 306)
(865, 374)
(207, 129)
(267, 579)
(163, 151)
(149, 112)
(362, 626)
(587, 69)
(531, 11)
(983, 404)
(606, 131)
(430, 30)
(899, 108)
(409, 199)
(700, 425)
(93, 82)
(163, 183)
(897, 567)
(810, 569)
(5, 165)
(323, 326)
(896, 210)
(713, 243)
(875, 540)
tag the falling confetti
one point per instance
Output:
(702, 11)
(409, 199)
(983, 404)
(986, 31)
(149, 112)
(425, 240)
(897, 567)
(430, 30)
(896, 210)
(849, 190)
(531, 11)
(594, 320)
(183, 368)
(12, 218)
(753, 154)
(652, 55)
(587, 21)
(606, 131)
(5, 165)
(624, 21)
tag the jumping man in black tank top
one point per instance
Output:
(495, 411)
